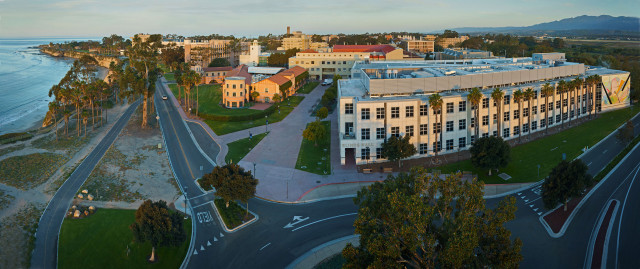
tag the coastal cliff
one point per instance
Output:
(103, 61)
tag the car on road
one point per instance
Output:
(327, 81)
(164, 97)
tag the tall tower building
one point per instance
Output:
(288, 30)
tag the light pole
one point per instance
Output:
(266, 127)
(254, 169)
(186, 216)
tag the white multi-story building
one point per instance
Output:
(392, 98)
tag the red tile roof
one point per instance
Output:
(364, 48)
(241, 71)
(213, 69)
(296, 71)
(279, 79)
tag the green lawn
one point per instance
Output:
(316, 159)
(221, 128)
(169, 77)
(210, 98)
(547, 152)
(240, 148)
(307, 88)
(101, 241)
(234, 215)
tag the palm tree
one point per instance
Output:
(547, 90)
(197, 78)
(596, 80)
(474, 97)
(85, 118)
(435, 100)
(528, 95)
(53, 109)
(497, 95)
(517, 98)
(562, 85)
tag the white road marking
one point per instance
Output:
(221, 235)
(522, 197)
(535, 200)
(204, 216)
(195, 252)
(589, 164)
(539, 213)
(535, 209)
(554, 148)
(265, 246)
(519, 193)
(215, 239)
(201, 248)
(198, 196)
(208, 244)
(624, 204)
(338, 216)
(296, 220)
(526, 201)
(531, 205)
(605, 151)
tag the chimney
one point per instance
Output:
(288, 30)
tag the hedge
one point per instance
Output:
(14, 137)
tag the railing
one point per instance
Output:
(348, 136)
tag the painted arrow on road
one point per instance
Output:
(296, 220)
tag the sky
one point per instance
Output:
(250, 18)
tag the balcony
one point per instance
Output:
(348, 136)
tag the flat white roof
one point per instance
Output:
(264, 70)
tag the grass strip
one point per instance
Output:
(234, 215)
(240, 148)
(316, 159)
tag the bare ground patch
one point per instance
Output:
(17, 236)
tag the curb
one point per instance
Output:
(586, 197)
(304, 258)
(590, 249)
(224, 225)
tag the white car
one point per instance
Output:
(164, 97)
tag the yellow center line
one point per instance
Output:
(179, 143)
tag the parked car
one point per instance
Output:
(327, 81)
(164, 97)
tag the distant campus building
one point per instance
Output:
(392, 98)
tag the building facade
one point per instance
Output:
(202, 52)
(375, 103)
(234, 92)
(451, 41)
(215, 74)
(421, 46)
(459, 53)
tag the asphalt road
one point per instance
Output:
(45, 251)
(269, 243)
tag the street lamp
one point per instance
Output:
(266, 127)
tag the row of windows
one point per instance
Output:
(365, 153)
(338, 69)
(395, 111)
(365, 133)
(323, 62)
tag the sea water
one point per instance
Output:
(26, 75)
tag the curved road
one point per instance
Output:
(45, 252)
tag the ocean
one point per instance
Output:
(26, 75)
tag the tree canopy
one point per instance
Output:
(322, 113)
(281, 59)
(418, 220)
(156, 224)
(171, 57)
(566, 180)
(232, 182)
(219, 62)
(315, 131)
(398, 148)
(490, 153)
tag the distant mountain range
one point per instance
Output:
(581, 24)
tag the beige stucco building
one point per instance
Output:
(392, 98)
(422, 46)
(202, 52)
(234, 92)
(451, 42)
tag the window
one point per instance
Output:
(424, 129)
(381, 133)
(462, 142)
(525, 112)
(395, 131)
(437, 127)
(379, 153)
(565, 116)
(505, 132)
(365, 113)
(507, 99)
(516, 130)
(348, 108)
(535, 94)
(424, 149)
(409, 111)
(234, 94)
(409, 130)
(227, 92)
(462, 124)
(485, 135)
(380, 113)
(485, 102)
(485, 120)
(473, 139)
(534, 110)
(550, 106)
(365, 134)
(525, 128)
(542, 108)
(437, 147)
(365, 154)
(534, 125)
(495, 133)
(449, 144)
(506, 116)
(395, 112)
(234, 86)
(495, 118)
(424, 110)
(450, 126)
(344, 62)
(516, 114)
(449, 107)
(473, 122)
(542, 123)
(462, 106)
(550, 121)
(557, 104)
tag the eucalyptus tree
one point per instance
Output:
(143, 57)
